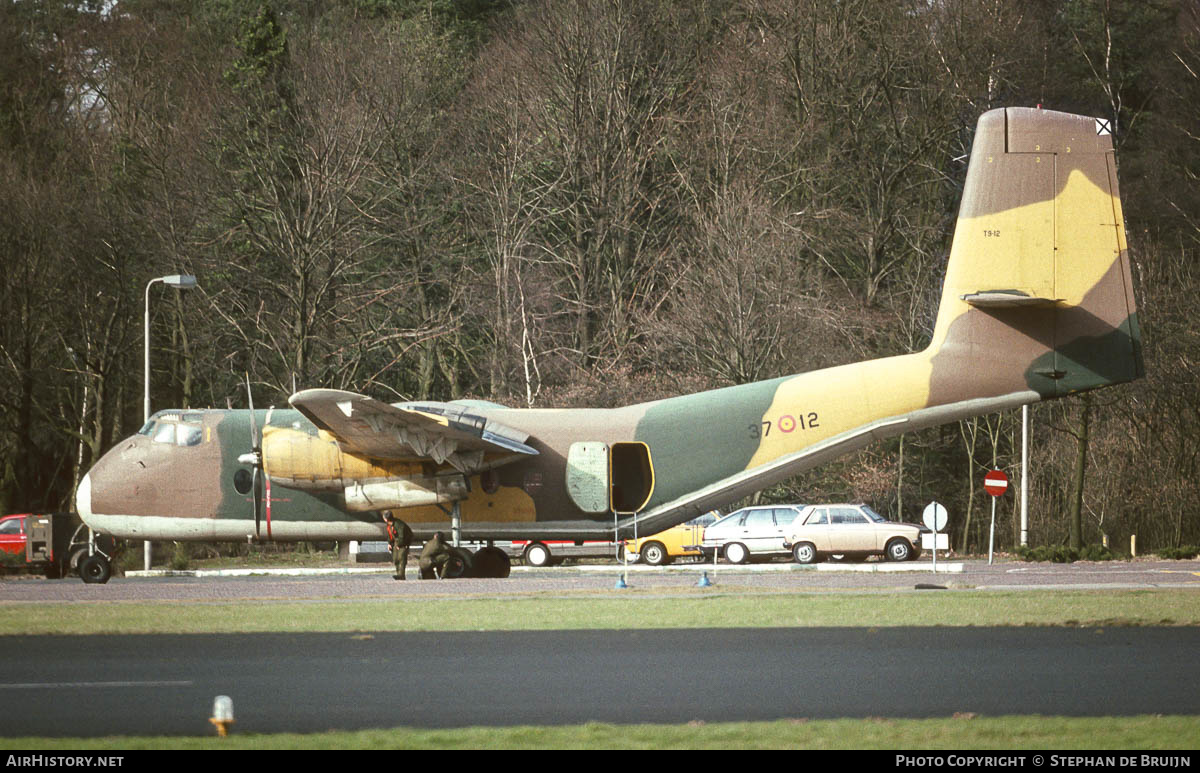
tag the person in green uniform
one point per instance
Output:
(434, 555)
(399, 538)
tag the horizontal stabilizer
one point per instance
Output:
(1007, 299)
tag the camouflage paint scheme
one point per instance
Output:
(1037, 303)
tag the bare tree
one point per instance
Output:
(599, 82)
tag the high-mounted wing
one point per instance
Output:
(443, 432)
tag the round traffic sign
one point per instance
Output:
(995, 483)
(934, 516)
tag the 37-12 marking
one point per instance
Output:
(785, 424)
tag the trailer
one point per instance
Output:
(541, 553)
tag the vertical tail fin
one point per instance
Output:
(1037, 294)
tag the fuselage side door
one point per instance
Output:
(588, 476)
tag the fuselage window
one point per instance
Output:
(242, 481)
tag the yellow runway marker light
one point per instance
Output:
(222, 716)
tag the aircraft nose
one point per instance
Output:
(83, 498)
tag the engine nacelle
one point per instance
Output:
(317, 463)
(408, 492)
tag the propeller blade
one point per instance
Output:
(257, 505)
(255, 440)
(266, 476)
(254, 458)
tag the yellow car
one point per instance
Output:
(666, 546)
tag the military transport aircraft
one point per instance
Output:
(1037, 304)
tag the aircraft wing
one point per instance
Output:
(442, 432)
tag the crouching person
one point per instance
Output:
(434, 556)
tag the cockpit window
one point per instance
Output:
(165, 433)
(189, 435)
(147, 428)
(175, 433)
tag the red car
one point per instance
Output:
(12, 534)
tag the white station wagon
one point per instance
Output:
(854, 531)
(752, 531)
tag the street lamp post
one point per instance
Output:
(180, 282)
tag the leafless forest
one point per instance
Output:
(573, 202)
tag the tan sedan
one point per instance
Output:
(855, 531)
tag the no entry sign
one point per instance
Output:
(995, 483)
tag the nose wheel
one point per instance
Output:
(95, 569)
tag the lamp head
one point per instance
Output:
(180, 281)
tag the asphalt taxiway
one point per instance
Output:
(366, 582)
(165, 684)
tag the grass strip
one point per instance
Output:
(629, 610)
(1156, 733)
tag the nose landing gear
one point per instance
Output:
(95, 569)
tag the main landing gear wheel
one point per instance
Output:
(458, 565)
(95, 569)
(736, 553)
(491, 562)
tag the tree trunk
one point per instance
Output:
(969, 438)
(1076, 512)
